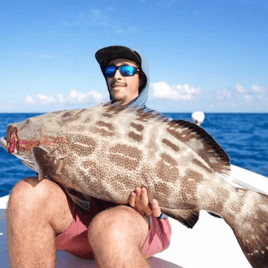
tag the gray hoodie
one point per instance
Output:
(141, 100)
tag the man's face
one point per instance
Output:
(123, 88)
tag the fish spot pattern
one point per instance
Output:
(107, 115)
(121, 183)
(167, 169)
(82, 145)
(68, 117)
(235, 207)
(91, 175)
(138, 127)
(104, 129)
(180, 135)
(135, 137)
(200, 164)
(146, 173)
(220, 194)
(146, 116)
(173, 146)
(163, 190)
(125, 156)
(189, 183)
(95, 171)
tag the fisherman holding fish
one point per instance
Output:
(106, 152)
(42, 217)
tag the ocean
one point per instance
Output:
(243, 136)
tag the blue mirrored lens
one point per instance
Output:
(125, 70)
(110, 71)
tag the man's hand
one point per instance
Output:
(139, 201)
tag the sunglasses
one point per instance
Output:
(125, 70)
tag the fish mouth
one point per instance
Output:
(3, 142)
(12, 142)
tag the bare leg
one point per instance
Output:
(117, 236)
(37, 211)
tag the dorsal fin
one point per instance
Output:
(202, 143)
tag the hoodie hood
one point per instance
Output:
(105, 55)
(141, 100)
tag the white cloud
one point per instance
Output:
(94, 17)
(234, 105)
(248, 98)
(30, 54)
(258, 88)
(4, 106)
(60, 98)
(224, 94)
(23, 54)
(102, 18)
(43, 99)
(74, 97)
(161, 90)
(79, 97)
(29, 99)
(242, 95)
(240, 89)
(98, 18)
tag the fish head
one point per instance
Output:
(10, 142)
(21, 137)
(39, 131)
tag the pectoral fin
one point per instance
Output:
(48, 165)
(187, 217)
(78, 198)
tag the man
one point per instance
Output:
(42, 217)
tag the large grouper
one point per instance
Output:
(109, 150)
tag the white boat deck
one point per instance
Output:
(211, 243)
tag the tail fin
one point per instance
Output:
(250, 227)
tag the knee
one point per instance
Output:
(117, 225)
(29, 195)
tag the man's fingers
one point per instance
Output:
(138, 195)
(138, 203)
(145, 201)
(155, 208)
(144, 196)
(132, 199)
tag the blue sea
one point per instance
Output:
(243, 136)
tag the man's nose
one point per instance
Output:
(117, 74)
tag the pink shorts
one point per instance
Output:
(75, 240)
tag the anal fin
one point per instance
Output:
(187, 217)
(48, 165)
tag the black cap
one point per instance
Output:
(107, 54)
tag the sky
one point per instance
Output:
(208, 56)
